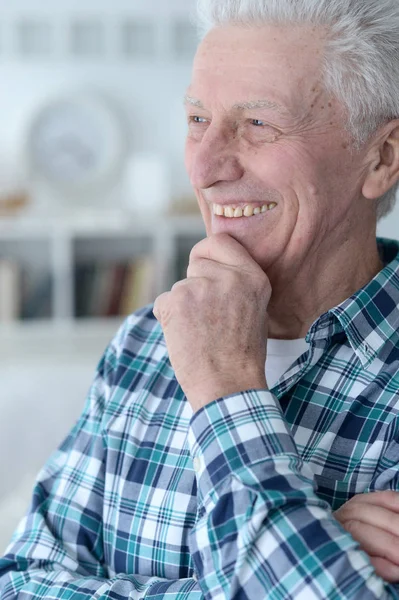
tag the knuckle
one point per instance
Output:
(389, 495)
(159, 304)
(196, 268)
(188, 292)
(193, 254)
(177, 285)
(180, 293)
(161, 309)
(352, 526)
(199, 249)
(191, 270)
(351, 512)
(394, 541)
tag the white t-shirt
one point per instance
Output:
(281, 354)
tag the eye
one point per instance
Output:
(197, 120)
(258, 123)
(265, 131)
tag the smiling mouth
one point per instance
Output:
(236, 212)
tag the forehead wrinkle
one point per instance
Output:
(253, 105)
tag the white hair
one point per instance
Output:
(361, 62)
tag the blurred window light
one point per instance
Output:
(87, 38)
(33, 38)
(138, 39)
(184, 39)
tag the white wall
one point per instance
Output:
(149, 92)
(389, 227)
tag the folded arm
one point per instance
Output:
(263, 532)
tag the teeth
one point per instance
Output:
(234, 212)
(238, 213)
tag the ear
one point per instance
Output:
(383, 169)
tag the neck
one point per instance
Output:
(301, 295)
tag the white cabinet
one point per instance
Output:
(49, 255)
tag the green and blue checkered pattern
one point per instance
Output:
(146, 500)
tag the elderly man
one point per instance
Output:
(219, 438)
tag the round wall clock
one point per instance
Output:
(77, 144)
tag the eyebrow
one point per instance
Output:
(242, 106)
(193, 102)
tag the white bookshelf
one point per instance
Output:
(56, 245)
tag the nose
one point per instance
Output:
(215, 158)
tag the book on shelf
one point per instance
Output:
(116, 288)
(35, 294)
(25, 293)
(138, 289)
(105, 289)
(84, 275)
(10, 300)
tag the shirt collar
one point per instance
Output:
(370, 317)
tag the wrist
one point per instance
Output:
(204, 394)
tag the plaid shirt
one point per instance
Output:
(145, 500)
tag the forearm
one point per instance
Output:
(262, 530)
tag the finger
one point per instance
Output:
(371, 514)
(188, 283)
(385, 569)
(203, 267)
(374, 541)
(387, 499)
(159, 305)
(224, 249)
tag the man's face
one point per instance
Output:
(264, 133)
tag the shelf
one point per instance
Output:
(97, 223)
(87, 263)
(54, 339)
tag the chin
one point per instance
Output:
(257, 234)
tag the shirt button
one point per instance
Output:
(197, 464)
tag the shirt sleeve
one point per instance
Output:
(57, 550)
(262, 531)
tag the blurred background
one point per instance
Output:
(96, 212)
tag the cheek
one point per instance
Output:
(191, 155)
(307, 172)
(292, 164)
(205, 212)
(188, 156)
